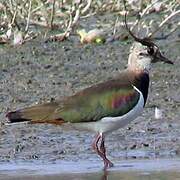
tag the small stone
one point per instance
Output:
(158, 113)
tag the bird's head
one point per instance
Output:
(143, 52)
(142, 55)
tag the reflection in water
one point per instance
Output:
(132, 170)
(105, 175)
(137, 175)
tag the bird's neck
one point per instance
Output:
(138, 70)
(140, 79)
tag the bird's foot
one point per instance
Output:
(107, 164)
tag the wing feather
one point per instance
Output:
(112, 98)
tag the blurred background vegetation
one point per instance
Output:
(23, 20)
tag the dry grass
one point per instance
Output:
(18, 16)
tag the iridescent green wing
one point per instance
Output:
(98, 102)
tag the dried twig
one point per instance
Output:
(37, 8)
(52, 14)
(76, 17)
(142, 14)
(13, 15)
(44, 13)
(71, 24)
(86, 7)
(28, 18)
(150, 35)
(115, 26)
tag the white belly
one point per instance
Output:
(108, 124)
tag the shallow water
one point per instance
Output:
(162, 175)
(139, 169)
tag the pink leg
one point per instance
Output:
(101, 150)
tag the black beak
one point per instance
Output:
(159, 57)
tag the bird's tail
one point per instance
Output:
(45, 113)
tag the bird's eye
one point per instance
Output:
(150, 50)
(141, 54)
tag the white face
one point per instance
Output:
(139, 59)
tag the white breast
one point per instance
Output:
(108, 124)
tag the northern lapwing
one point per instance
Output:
(106, 106)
